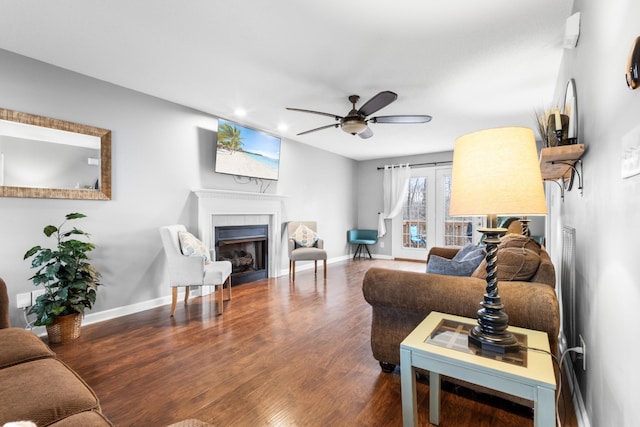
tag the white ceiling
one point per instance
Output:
(470, 64)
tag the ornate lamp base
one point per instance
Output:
(502, 343)
(491, 332)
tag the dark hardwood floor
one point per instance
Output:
(280, 355)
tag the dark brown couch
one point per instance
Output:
(36, 386)
(401, 300)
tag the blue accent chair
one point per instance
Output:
(362, 238)
(415, 237)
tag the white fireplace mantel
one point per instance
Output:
(224, 207)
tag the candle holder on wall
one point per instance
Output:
(561, 135)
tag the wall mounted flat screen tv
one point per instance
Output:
(246, 152)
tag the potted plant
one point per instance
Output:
(70, 282)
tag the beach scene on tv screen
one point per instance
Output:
(246, 152)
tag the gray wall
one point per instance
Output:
(161, 152)
(606, 217)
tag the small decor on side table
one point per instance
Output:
(70, 282)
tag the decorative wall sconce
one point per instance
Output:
(560, 163)
(558, 128)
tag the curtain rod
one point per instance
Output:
(446, 162)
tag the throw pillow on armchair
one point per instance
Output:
(304, 237)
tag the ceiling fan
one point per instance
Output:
(356, 121)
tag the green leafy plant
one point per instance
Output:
(69, 280)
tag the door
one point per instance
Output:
(424, 221)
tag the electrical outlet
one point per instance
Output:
(23, 300)
(584, 353)
(382, 244)
(35, 294)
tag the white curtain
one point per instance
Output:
(394, 186)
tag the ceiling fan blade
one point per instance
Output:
(379, 101)
(336, 117)
(367, 133)
(335, 125)
(401, 119)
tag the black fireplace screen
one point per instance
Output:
(245, 246)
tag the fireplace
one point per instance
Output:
(246, 247)
(220, 208)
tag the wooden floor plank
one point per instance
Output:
(280, 355)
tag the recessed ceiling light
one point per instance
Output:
(240, 112)
(283, 127)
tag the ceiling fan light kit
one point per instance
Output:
(356, 121)
(354, 126)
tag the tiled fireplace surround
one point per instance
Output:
(218, 208)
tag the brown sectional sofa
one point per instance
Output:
(400, 300)
(36, 386)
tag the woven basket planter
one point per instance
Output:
(65, 328)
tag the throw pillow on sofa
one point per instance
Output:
(518, 258)
(519, 241)
(464, 263)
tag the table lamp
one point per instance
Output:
(496, 172)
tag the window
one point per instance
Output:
(425, 220)
(414, 214)
(458, 231)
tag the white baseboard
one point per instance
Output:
(114, 313)
(374, 256)
(125, 310)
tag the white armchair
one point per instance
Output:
(192, 270)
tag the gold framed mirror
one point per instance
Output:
(41, 157)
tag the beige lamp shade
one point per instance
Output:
(496, 172)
